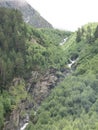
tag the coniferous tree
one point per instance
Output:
(12, 45)
(78, 35)
(82, 31)
(89, 35)
(19, 65)
(96, 33)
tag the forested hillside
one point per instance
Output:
(73, 103)
(55, 84)
(23, 49)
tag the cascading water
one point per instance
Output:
(26, 122)
(65, 39)
(24, 126)
(71, 63)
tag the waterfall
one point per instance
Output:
(65, 39)
(71, 63)
(25, 123)
(24, 126)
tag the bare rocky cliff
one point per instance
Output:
(30, 15)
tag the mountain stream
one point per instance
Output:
(70, 66)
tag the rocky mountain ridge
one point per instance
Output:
(30, 15)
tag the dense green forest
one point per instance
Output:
(24, 49)
(73, 103)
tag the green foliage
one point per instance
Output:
(89, 35)
(96, 33)
(1, 114)
(12, 45)
(19, 65)
(42, 50)
(54, 36)
(23, 49)
(12, 59)
(17, 93)
(78, 37)
(72, 105)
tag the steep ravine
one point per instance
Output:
(38, 88)
(41, 89)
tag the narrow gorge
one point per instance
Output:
(48, 77)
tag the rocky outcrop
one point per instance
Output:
(30, 15)
(38, 87)
(13, 121)
(16, 118)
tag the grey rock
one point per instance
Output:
(30, 15)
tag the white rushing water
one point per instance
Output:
(62, 43)
(71, 63)
(26, 123)
(24, 126)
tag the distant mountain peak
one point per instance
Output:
(20, 1)
(30, 15)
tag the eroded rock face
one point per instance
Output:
(43, 87)
(13, 122)
(38, 87)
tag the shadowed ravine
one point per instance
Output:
(48, 82)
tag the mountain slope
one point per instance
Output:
(30, 15)
(73, 104)
(35, 55)
(25, 52)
